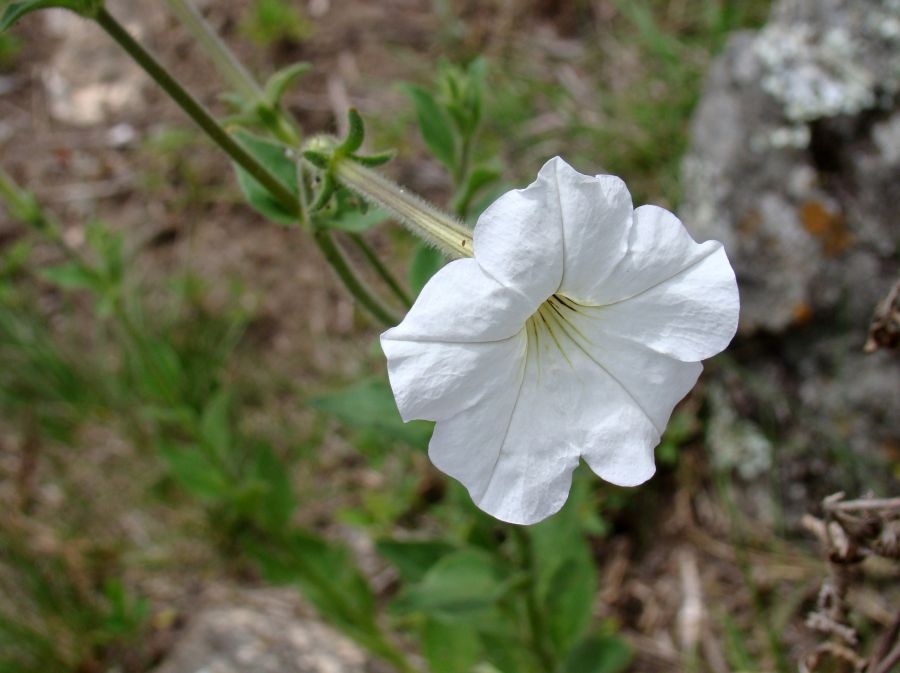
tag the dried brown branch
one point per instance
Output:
(850, 532)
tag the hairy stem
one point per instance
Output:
(435, 226)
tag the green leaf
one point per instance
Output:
(369, 405)
(278, 83)
(450, 647)
(461, 585)
(374, 160)
(74, 276)
(356, 132)
(278, 500)
(17, 10)
(479, 178)
(357, 221)
(599, 654)
(195, 472)
(215, 424)
(566, 573)
(425, 263)
(569, 602)
(435, 125)
(273, 156)
(413, 558)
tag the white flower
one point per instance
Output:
(573, 332)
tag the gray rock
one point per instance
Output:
(795, 165)
(260, 632)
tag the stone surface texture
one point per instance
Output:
(795, 166)
(261, 631)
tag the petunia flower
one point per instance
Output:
(572, 333)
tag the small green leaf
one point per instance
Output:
(195, 472)
(74, 276)
(356, 132)
(374, 160)
(273, 156)
(369, 405)
(569, 602)
(278, 501)
(17, 10)
(479, 178)
(435, 125)
(215, 424)
(599, 654)
(413, 558)
(278, 84)
(461, 585)
(450, 647)
(425, 263)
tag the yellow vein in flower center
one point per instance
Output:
(565, 325)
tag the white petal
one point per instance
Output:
(518, 239)
(596, 219)
(690, 316)
(461, 303)
(659, 247)
(510, 451)
(435, 380)
(655, 382)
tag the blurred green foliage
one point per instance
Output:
(268, 22)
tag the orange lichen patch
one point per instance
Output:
(826, 226)
(749, 223)
(801, 313)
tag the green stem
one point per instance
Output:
(382, 271)
(337, 261)
(535, 621)
(197, 112)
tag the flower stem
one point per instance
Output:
(197, 112)
(435, 226)
(335, 258)
(535, 621)
(232, 70)
(382, 271)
